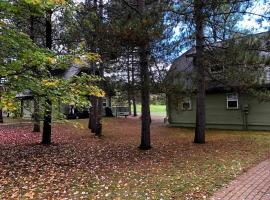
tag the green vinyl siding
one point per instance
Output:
(259, 113)
(217, 112)
(218, 116)
(178, 115)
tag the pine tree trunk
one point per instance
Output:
(99, 100)
(1, 112)
(133, 86)
(144, 54)
(99, 116)
(46, 136)
(128, 86)
(90, 118)
(22, 105)
(110, 102)
(1, 116)
(200, 69)
(93, 114)
(134, 106)
(36, 127)
(145, 118)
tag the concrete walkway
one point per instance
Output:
(252, 185)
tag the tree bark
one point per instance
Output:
(93, 113)
(200, 69)
(95, 116)
(99, 116)
(145, 118)
(144, 54)
(49, 29)
(36, 127)
(90, 118)
(1, 113)
(134, 106)
(1, 116)
(22, 104)
(133, 85)
(128, 85)
(110, 101)
(46, 136)
(99, 107)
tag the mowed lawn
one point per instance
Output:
(80, 166)
(154, 109)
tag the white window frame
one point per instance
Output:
(186, 100)
(232, 99)
(267, 75)
(104, 100)
(3, 80)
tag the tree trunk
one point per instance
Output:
(134, 106)
(145, 118)
(144, 54)
(46, 136)
(110, 101)
(99, 116)
(99, 106)
(90, 117)
(128, 85)
(1, 113)
(36, 127)
(1, 116)
(49, 29)
(199, 65)
(133, 85)
(22, 104)
(93, 118)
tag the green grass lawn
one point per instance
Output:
(155, 109)
(10, 120)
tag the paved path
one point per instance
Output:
(154, 117)
(252, 185)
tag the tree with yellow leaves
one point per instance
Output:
(26, 64)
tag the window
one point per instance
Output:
(216, 69)
(104, 102)
(3, 80)
(232, 101)
(186, 104)
(267, 76)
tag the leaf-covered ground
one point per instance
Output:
(80, 166)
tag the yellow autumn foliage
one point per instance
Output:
(48, 2)
(50, 83)
(51, 60)
(97, 92)
(78, 61)
(8, 105)
(93, 57)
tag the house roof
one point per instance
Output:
(184, 65)
(72, 71)
(24, 94)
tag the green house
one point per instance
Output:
(226, 107)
